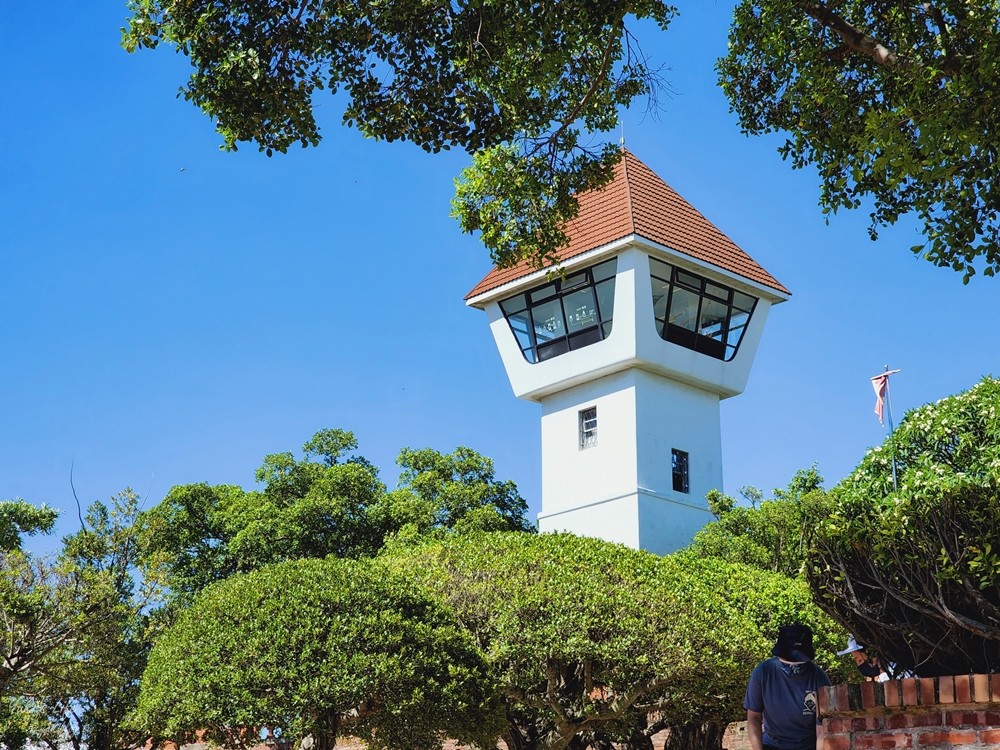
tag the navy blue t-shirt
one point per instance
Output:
(788, 703)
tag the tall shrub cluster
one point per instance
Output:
(913, 568)
(550, 642)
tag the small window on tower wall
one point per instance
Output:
(588, 427)
(679, 459)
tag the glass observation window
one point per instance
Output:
(567, 313)
(697, 313)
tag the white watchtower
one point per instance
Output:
(651, 317)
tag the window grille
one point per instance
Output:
(588, 427)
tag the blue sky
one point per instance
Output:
(170, 313)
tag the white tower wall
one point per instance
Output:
(621, 488)
(572, 475)
(673, 415)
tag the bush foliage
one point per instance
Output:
(316, 648)
(914, 571)
(592, 642)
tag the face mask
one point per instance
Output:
(869, 669)
(793, 669)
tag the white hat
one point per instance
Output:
(852, 646)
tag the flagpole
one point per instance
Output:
(880, 383)
(892, 442)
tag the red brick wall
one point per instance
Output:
(919, 713)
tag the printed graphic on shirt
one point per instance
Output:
(809, 703)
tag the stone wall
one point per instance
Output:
(930, 713)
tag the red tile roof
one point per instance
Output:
(637, 201)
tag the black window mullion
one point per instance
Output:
(697, 317)
(565, 317)
(670, 299)
(534, 339)
(729, 318)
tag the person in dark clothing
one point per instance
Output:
(782, 695)
(869, 666)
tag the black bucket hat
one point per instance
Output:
(795, 643)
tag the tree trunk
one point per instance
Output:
(100, 737)
(324, 741)
(707, 736)
(520, 735)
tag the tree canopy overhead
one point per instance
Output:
(18, 518)
(514, 83)
(894, 103)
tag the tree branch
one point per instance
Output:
(852, 36)
(574, 113)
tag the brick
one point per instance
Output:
(865, 724)
(946, 689)
(963, 689)
(927, 692)
(909, 721)
(995, 688)
(868, 695)
(965, 718)
(899, 721)
(827, 700)
(836, 725)
(909, 686)
(843, 697)
(865, 742)
(991, 718)
(947, 739)
(929, 719)
(854, 696)
(836, 742)
(990, 737)
(891, 688)
(882, 741)
(981, 688)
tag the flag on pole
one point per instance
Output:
(881, 385)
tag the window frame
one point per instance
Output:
(587, 423)
(680, 470)
(519, 311)
(708, 292)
